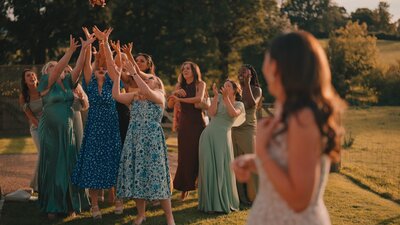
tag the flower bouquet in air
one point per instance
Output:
(101, 3)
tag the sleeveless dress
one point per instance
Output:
(144, 170)
(78, 125)
(243, 138)
(58, 152)
(217, 182)
(191, 125)
(97, 165)
(270, 208)
(36, 107)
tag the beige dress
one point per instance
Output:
(270, 208)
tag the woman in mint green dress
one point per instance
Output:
(57, 137)
(217, 183)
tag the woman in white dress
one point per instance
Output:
(295, 147)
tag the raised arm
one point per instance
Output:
(87, 67)
(63, 62)
(76, 72)
(127, 49)
(230, 108)
(156, 96)
(124, 98)
(103, 37)
(212, 110)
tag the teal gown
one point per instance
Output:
(217, 183)
(58, 151)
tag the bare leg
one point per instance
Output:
(111, 195)
(166, 205)
(95, 205)
(141, 208)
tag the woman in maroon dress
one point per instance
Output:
(189, 90)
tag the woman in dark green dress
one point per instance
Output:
(57, 137)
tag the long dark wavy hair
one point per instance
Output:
(195, 70)
(151, 68)
(306, 80)
(24, 86)
(254, 76)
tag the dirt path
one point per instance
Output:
(16, 171)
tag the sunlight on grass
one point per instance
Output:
(374, 158)
(17, 145)
(348, 204)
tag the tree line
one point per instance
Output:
(218, 35)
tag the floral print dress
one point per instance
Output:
(144, 171)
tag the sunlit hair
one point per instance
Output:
(195, 70)
(151, 68)
(237, 89)
(254, 76)
(47, 65)
(306, 79)
(24, 85)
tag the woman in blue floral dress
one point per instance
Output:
(144, 170)
(98, 160)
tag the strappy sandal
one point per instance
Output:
(119, 207)
(96, 213)
(136, 222)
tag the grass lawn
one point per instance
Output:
(365, 192)
(346, 202)
(374, 158)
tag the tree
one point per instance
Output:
(353, 55)
(307, 14)
(367, 16)
(36, 29)
(384, 17)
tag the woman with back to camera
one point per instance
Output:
(295, 147)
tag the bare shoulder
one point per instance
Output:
(303, 121)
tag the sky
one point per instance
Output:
(352, 5)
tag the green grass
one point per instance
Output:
(365, 192)
(346, 202)
(374, 158)
(17, 145)
(389, 51)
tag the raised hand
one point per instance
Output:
(88, 42)
(73, 45)
(215, 90)
(102, 35)
(224, 92)
(86, 31)
(130, 68)
(127, 49)
(116, 46)
(247, 76)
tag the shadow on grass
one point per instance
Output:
(24, 213)
(366, 187)
(16, 146)
(392, 220)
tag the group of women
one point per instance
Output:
(124, 148)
